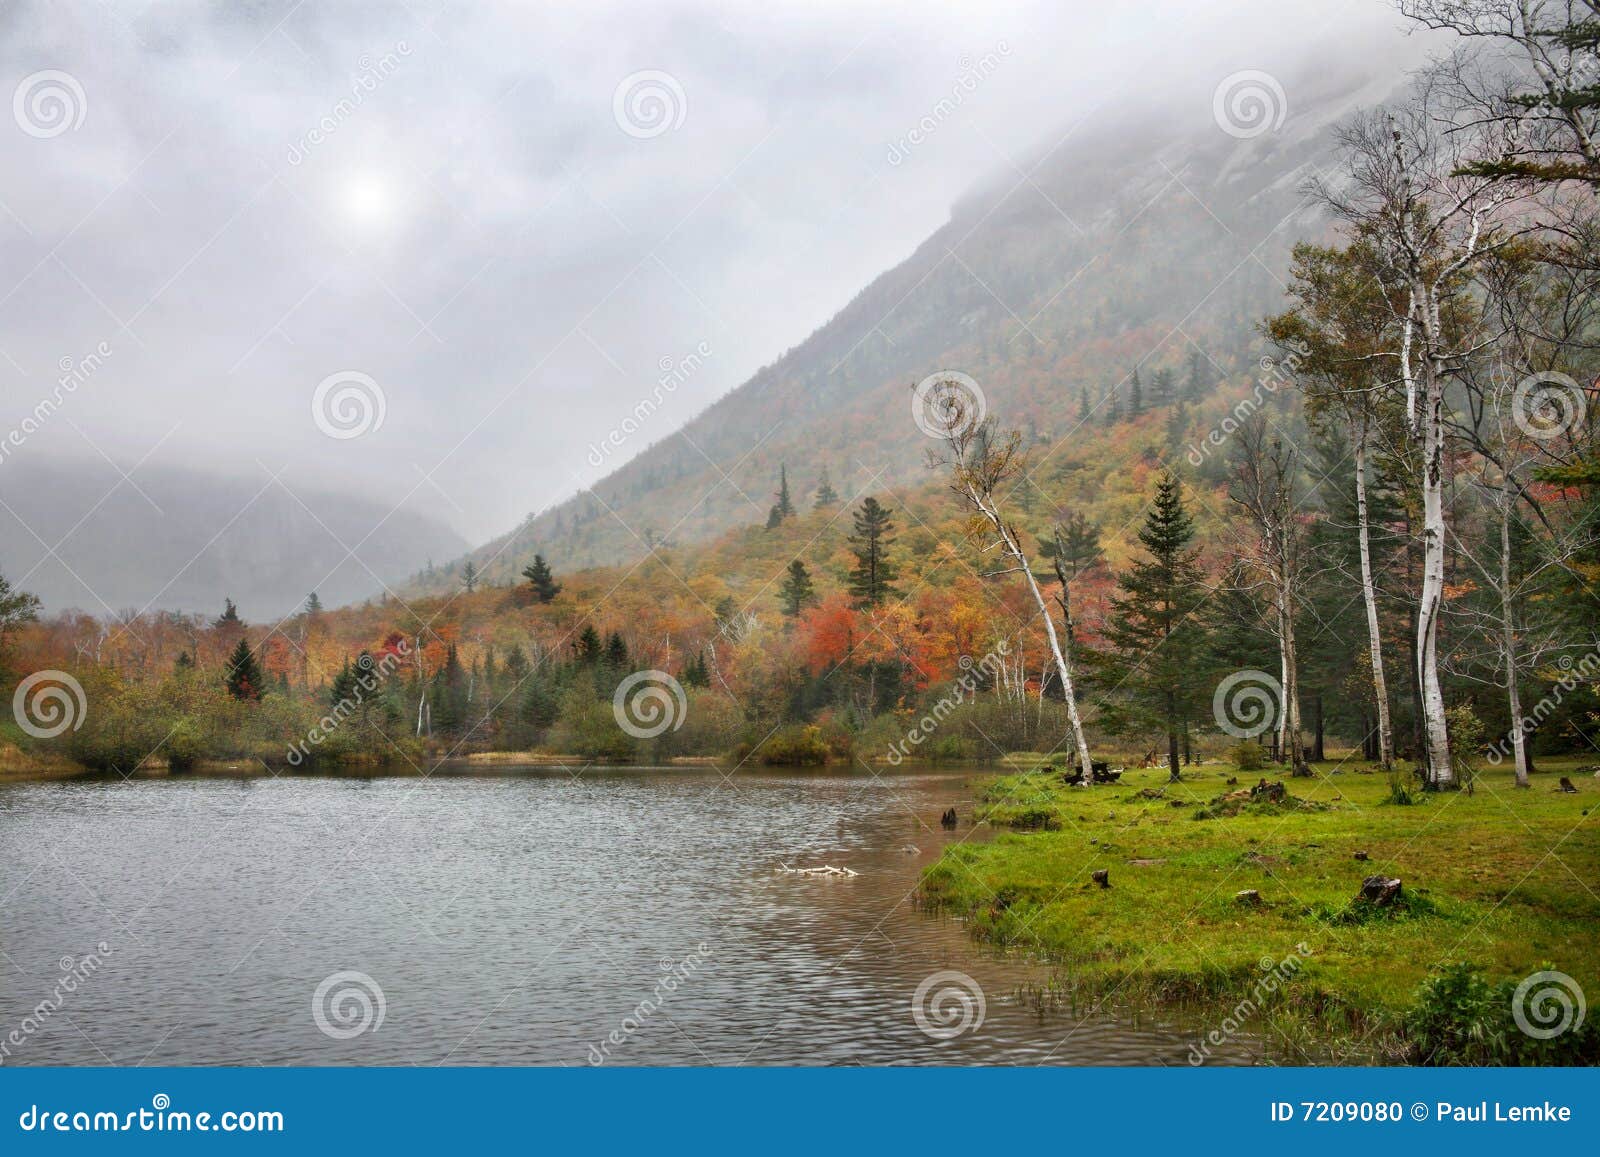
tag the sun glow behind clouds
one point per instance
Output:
(369, 200)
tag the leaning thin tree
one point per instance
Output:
(982, 464)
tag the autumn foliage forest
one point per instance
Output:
(1380, 498)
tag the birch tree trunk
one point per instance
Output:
(1369, 595)
(1013, 550)
(1295, 748)
(1440, 771)
(1508, 637)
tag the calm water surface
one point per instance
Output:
(532, 917)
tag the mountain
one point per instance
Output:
(176, 539)
(1131, 242)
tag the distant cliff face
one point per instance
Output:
(81, 536)
(1124, 244)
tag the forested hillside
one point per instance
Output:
(1128, 245)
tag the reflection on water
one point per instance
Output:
(630, 916)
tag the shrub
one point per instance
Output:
(1399, 791)
(1248, 755)
(588, 727)
(795, 745)
(1458, 1018)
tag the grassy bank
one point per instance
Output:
(1501, 878)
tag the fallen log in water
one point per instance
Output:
(824, 870)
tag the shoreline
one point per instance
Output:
(1209, 890)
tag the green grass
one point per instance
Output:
(1501, 878)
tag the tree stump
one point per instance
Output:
(1271, 792)
(948, 820)
(1102, 877)
(1361, 855)
(1380, 891)
(1249, 897)
(1566, 785)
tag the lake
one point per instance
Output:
(633, 916)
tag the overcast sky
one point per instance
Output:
(213, 208)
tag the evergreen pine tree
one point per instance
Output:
(797, 592)
(1153, 623)
(783, 508)
(1161, 388)
(313, 605)
(1080, 544)
(695, 673)
(1194, 389)
(229, 616)
(1135, 396)
(616, 653)
(344, 687)
(469, 576)
(545, 588)
(1084, 409)
(450, 694)
(244, 679)
(516, 664)
(588, 645)
(539, 707)
(872, 578)
(826, 495)
(1177, 425)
